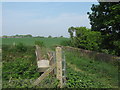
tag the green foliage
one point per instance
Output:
(49, 36)
(21, 36)
(19, 69)
(40, 43)
(87, 73)
(105, 17)
(21, 47)
(117, 47)
(49, 82)
(49, 42)
(66, 43)
(82, 37)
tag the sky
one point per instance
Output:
(0, 19)
(44, 18)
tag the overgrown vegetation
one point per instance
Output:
(105, 18)
(82, 37)
(104, 35)
(40, 43)
(87, 73)
(19, 62)
(19, 69)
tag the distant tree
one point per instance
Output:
(4, 36)
(16, 35)
(49, 36)
(61, 36)
(28, 35)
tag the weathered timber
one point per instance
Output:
(42, 64)
(59, 65)
(38, 54)
(46, 73)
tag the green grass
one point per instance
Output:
(88, 73)
(82, 72)
(31, 41)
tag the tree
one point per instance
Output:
(83, 37)
(49, 36)
(28, 35)
(105, 17)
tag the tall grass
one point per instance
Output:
(98, 71)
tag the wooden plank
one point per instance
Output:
(46, 73)
(38, 54)
(59, 65)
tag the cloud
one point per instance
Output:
(26, 23)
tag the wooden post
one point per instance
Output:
(59, 65)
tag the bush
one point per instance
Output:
(83, 37)
(66, 43)
(21, 47)
(40, 43)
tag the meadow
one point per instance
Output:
(82, 72)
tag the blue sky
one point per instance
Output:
(44, 18)
(0, 19)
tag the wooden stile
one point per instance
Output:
(59, 65)
(43, 76)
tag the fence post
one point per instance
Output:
(59, 65)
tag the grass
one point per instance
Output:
(82, 72)
(92, 73)
(31, 41)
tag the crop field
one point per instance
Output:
(20, 68)
(31, 41)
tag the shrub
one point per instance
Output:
(40, 43)
(21, 47)
(49, 36)
(83, 37)
(66, 43)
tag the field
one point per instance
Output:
(82, 72)
(31, 41)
